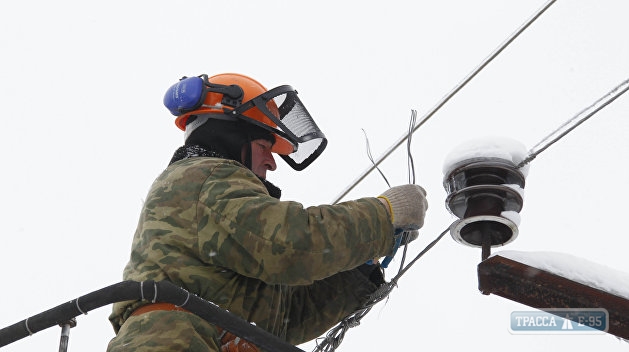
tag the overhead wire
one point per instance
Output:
(370, 156)
(411, 163)
(411, 177)
(448, 96)
(575, 121)
(557, 135)
(335, 336)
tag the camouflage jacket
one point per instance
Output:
(209, 226)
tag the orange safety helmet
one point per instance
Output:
(232, 96)
(251, 88)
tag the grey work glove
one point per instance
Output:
(407, 205)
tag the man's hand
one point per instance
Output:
(407, 206)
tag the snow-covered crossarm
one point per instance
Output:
(576, 269)
(547, 280)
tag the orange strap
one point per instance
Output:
(158, 306)
(233, 343)
(229, 341)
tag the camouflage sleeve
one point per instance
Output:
(318, 307)
(280, 242)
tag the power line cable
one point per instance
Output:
(575, 121)
(335, 336)
(448, 96)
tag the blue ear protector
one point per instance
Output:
(186, 95)
(189, 93)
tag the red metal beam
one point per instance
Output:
(542, 290)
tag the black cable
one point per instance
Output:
(162, 291)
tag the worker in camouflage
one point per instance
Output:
(213, 225)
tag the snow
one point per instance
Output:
(576, 269)
(491, 147)
(514, 216)
(487, 147)
(516, 188)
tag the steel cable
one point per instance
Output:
(448, 96)
(335, 336)
(575, 121)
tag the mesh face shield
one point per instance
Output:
(293, 123)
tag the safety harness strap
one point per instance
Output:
(229, 341)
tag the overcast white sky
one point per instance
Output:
(85, 133)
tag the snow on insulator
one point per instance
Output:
(488, 147)
(485, 191)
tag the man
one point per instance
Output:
(213, 225)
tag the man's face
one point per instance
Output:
(261, 157)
